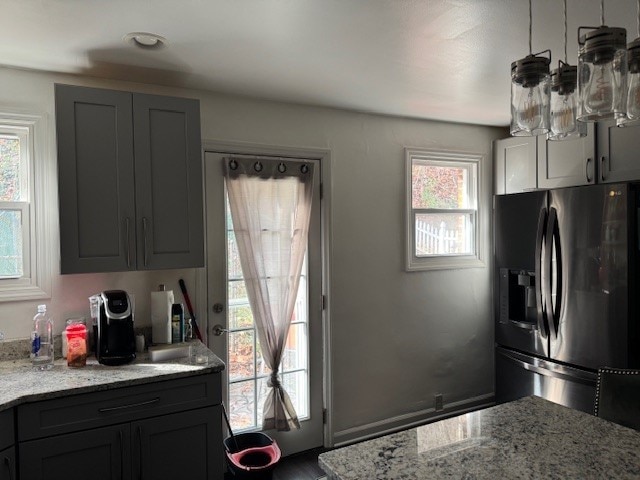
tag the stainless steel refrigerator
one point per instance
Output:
(566, 288)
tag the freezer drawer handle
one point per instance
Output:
(548, 370)
(524, 325)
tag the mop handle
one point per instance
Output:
(226, 419)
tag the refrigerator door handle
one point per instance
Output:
(540, 297)
(552, 252)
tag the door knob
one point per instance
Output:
(218, 330)
(218, 307)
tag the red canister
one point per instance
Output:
(76, 345)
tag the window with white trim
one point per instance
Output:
(442, 226)
(24, 266)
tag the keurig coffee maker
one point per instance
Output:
(115, 339)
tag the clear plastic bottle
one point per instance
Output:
(42, 340)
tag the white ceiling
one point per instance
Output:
(435, 59)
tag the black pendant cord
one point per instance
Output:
(565, 30)
(638, 19)
(601, 12)
(530, 28)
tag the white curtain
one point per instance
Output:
(270, 203)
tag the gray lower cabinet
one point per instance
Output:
(567, 163)
(7, 450)
(163, 430)
(99, 454)
(515, 165)
(129, 181)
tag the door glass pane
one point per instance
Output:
(11, 261)
(241, 354)
(242, 405)
(444, 234)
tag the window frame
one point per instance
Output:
(35, 282)
(443, 261)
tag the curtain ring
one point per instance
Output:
(304, 168)
(282, 167)
(258, 167)
(233, 165)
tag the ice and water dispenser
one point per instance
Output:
(518, 297)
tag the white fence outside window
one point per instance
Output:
(435, 239)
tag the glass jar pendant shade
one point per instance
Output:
(530, 96)
(564, 104)
(602, 79)
(633, 91)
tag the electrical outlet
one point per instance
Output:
(439, 404)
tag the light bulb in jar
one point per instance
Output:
(563, 115)
(633, 98)
(529, 112)
(599, 91)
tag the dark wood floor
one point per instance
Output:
(301, 466)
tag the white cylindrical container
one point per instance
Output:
(161, 302)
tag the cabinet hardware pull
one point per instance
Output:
(131, 405)
(128, 242)
(139, 430)
(7, 462)
(144, 230)
(586, 170)
(602, 160)
(121, 454)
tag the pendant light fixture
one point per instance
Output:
(564, 97)
(632, 116)
(530, 92)
(602, 63)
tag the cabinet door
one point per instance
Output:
(567, 163)
(168, 166)
(181, 445)
(98, 454)
(8, 464)
(515, 165)
(95, 179)
(618, 152)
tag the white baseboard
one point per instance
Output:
(409, 420)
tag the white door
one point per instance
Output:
(245, 378)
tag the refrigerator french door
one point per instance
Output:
(565, 272)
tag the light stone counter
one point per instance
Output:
(19, 383)
(530, 438)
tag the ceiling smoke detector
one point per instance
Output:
(145, 40)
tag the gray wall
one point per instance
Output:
(397, 338)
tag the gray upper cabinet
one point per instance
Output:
(567, 163)
(618, 153)
(515, 165)
(130, 181)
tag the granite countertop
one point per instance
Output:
(20, 383)
(530, 438)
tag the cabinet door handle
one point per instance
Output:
(586, 170)
(144, 243)
(139, 430)
(121, 454)
(7, 462)
(131, 405)
(602, 162)
(127, 222)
